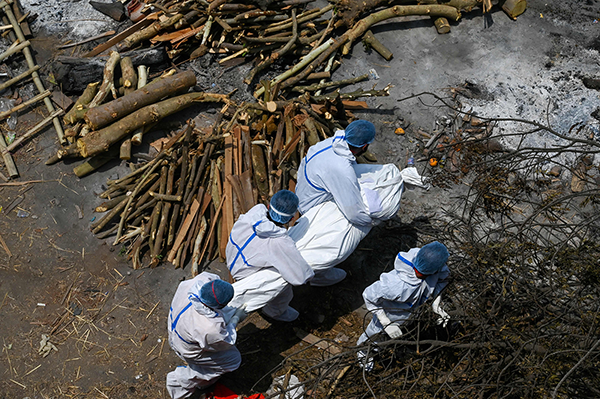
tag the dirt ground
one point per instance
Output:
(108, 322)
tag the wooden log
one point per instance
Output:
(325, 85)
(261, 178)
(149, 32)
(108, 113)
(364, 24)
(188, 194)
(214, 218)
(73, 74)
(136, 137)
(157, 212)
(312, 136)
(100, 223)
(441, 25)
(137, 246)
(227, 192)
(181, 185)
(110, 204)
(299, 66)
(100, 140)
(141, 184)
(376, 45)
(514, 8)
(166, 196)
(130, 78)
(276, 54)
(183, 230)
(107, 80)
(196, 254)
(94, 163)
(78, 110)
(125, 150)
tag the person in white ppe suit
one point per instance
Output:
(326, 174)
(419, 274)
(264, 260)
(199, 334)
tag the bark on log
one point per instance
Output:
(103, 115)
(514, 8)
(78, 110)
(261, 178)
(100, 140)
(129, 75)
(364, 24)
(372, 41)
(336, 83)
(108, 83)
(125, 150)
(94, 163)
(149, 32)
(136, 137)
(73, 74)
(441, 25)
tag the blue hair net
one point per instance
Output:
(283, 206)
(216, 294)
(360, 132)
(431, 258)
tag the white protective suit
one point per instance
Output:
(200, 336)
(326, 173)
(266, 263)
(324, 236)
(399, 293)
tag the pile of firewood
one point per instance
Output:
(266, 31)
(97, 127)
(183, 203)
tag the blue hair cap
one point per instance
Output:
(216, 294)
(283, 206)
(359, 133)
(431, 258)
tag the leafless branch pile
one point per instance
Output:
(526, 281)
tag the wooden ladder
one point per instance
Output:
(13, 16)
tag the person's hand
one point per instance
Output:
(437, 309)
(239, 315)
(391, 329)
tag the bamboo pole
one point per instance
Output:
(25, 104)
(37, 128)
(36, 77)
(8, 160)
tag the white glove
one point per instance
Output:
(437, 309)
(239, 315)
(391, 329)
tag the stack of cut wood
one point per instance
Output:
(265, 32)
(183, 203)
(97, 127)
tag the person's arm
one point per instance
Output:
(285, 257)
(343, 186)
(443, 280)
(221, 338)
